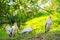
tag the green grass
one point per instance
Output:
(38, 25)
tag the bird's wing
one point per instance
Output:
(8, 30)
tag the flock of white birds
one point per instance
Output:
(12, 31)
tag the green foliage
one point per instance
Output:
(36, 18)
(7, 11)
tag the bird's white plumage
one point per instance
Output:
(14, 28)
(26, 30)
(8, 29)
(48, 24)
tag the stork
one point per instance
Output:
(26, 30)
(48, 24)
(14, 29)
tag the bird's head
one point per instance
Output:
(50, 17)
(15, 24)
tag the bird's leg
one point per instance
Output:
(13, 35)
(45, 31)
(9, 35)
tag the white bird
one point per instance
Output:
(48, 24)
(26, 30)
(8, 30)
(14, 29)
